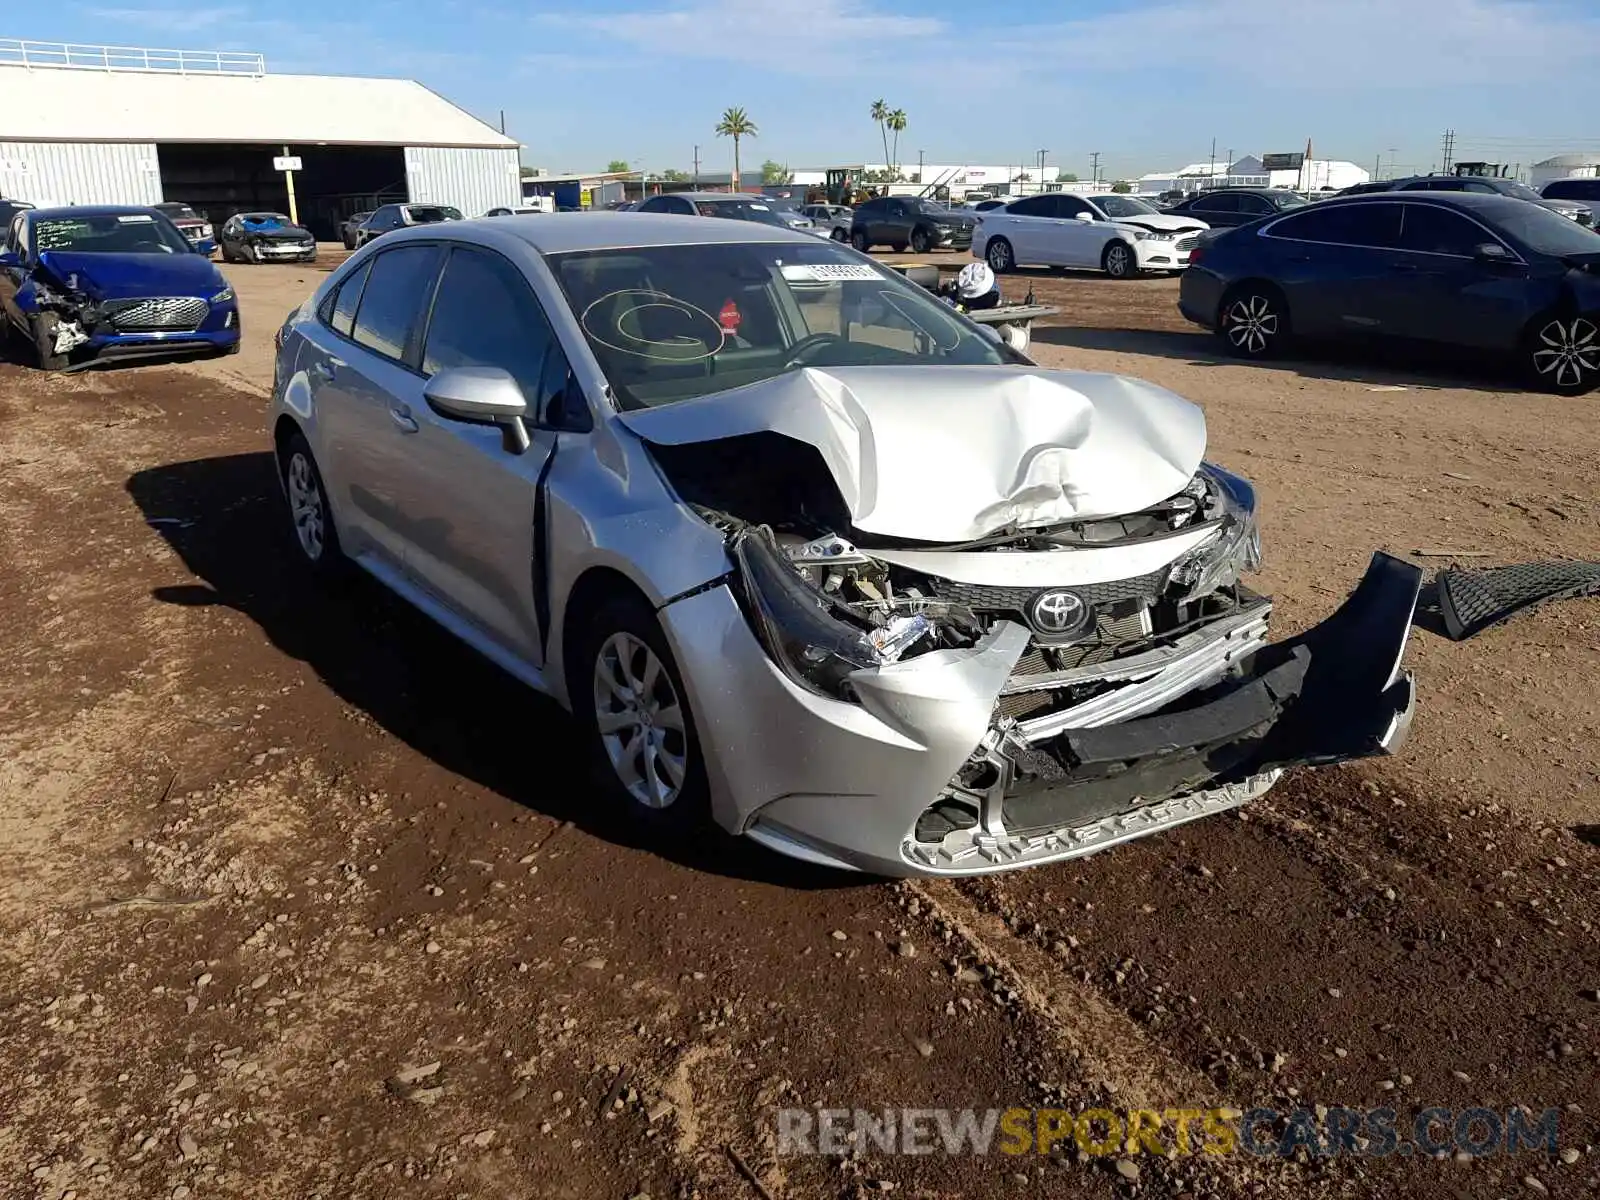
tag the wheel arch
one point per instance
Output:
(1251, 281)
(597, 586)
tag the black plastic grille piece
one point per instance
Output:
(1472, 601)
(983, 598)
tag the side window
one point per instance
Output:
(1446, 185)
(1068, 207)
(677, 204)
(1433, 230)
(1481, 187)
(1255, 206)
(396, 285)
(1033, 206)
(485, 315)
(341, 316)
(1226, 203)
(654, 204)
(1376, 226)
(14, 235)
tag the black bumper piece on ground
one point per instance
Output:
(1472, 601)
(1333, 694)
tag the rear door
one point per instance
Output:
(1334, 263)
(1080, 243)
(1026, 225)
(11, 276)
(469, 500)
(360, 364)
(1219, 211)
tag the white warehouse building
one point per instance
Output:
(111, 125)
(1564, 166)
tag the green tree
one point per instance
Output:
(896, 122)
(1068, 177)
(528, 172)
(736, 124)
(1121, 188)
(775, 173)
(616, 165)
(880, 114)
(673, 175)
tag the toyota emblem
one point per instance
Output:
(1056, 612)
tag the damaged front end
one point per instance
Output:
(77, 314)
(1123, 661)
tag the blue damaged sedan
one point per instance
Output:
(82, 285)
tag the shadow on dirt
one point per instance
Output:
(224, 518)
(1419, 369)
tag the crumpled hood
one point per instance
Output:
(115, 276)
(949, 454)
(1165, 222)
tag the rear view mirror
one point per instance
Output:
(481, 396)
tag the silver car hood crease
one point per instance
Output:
(950, 454)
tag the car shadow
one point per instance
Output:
(1385, 366)
(223, 517)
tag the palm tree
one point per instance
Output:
(896, 121)
(736, 124)
(880, 114)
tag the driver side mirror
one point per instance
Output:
(1087, 217)
(9, 259)
(481, 396)
(1491, 252)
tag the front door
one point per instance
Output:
(471, 498)
(1439, 291)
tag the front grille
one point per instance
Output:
(984, 598)
(165, 313)
(1187, 243)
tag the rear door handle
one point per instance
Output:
(401, 416)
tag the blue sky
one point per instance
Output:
(1147, 84)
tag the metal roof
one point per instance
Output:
(64, 105)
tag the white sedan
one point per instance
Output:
(1120, 235)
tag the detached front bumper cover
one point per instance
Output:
(1333, 694)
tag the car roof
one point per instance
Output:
(751, 197)
(94, 210)
(611, 231)
(1483, 203)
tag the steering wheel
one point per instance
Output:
(805, 345)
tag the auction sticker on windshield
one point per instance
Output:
(136, 219)
(829, 272)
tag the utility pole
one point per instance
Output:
(1392, 153)
(697, 167)
(920, 178)
(1449, 150)
(1094, 169)
(1213, 158)
(502, 120)
(1040, 176)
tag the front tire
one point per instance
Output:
(1120, 261)
(859, 241)
(43, 328)
(1561, 354)
(310, 516)
(1253, 322)
(921, 241)
(839, 235)
(999, 255)
(626, 691)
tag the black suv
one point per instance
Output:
(1225, 207)
(1489, 184)
(1584, 191)
(901, 221)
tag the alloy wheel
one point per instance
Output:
(641, 721)
(999, 255)
(306, 506)
(1567, 352)
(1251, 323)
(1117, 261)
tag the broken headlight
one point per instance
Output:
(1235, 548)
(814, 639)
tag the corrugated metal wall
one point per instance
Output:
(46, 173)
(472, 180)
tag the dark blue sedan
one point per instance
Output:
(78, 285)
(1488, 274)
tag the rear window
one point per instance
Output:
(1572, 189)
(432, 214)
(391, 301)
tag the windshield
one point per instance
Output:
(1522, 192)
(1287, 199)
(264, 218)
(668, 323)
(1546, 232)
(430, 214)
(179, 212)
(125, 233)
(1125, 206)
(741, 210)
(932, 207)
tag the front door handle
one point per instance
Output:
(401, 416)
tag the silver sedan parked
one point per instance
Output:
(807, 552)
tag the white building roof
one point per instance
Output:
(61, 104)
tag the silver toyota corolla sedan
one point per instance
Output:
(807, 552)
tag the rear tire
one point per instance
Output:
(311, 527)
(859, 241)
(1120, 261)
(1561, 353)
(626, 692)
(999, 255)
(1253, 321)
